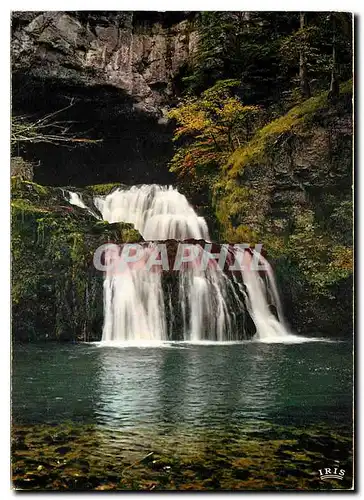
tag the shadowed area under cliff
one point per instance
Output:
(135, 148)
(121, 69)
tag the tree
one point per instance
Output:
(304, 84)
(210, 128)
(320, 51)
(341, 24)
(218, 32)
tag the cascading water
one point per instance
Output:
(133, 306)
(209, 302)
(134, 300)
(158, 212)
(76, 200)
(257, 299)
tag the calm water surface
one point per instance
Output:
(195, 386)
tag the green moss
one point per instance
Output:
(256, 149)
(231, 203)
(56, 291)
(21, 188)
(20, 206)
(129, 234)
(126, 233)
(102, 189)
(346, 87)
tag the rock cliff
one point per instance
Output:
(120, 70)
(123, 50)
(290, 188)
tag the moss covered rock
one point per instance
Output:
(290, 188)
(56, 291)
(102, 189)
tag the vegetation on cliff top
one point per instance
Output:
(266, 137)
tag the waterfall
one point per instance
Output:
(134, 307)
(158, 212)
(208, 304)
(75, 199)
(259, 302)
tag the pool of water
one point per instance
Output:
(183, 385)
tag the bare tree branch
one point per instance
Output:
(45, 130)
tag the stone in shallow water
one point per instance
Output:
(241, 474)
(195, 467)
(62, 450)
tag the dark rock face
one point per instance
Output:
(117, 49)
(312, 179)
(121, 70)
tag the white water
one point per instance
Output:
(207, 309)
(134, 302)
(185, 344)
(158, 212)
(259, 298)
(133, 307)
(75, 199)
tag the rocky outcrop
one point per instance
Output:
(120, 71)
(290, 188)
(21, 168)
(56, 290)
(118, 49)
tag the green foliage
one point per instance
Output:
(217, 32)
(244, 46)
(318, 256)
(311, 244)
(262, 50)
(315, 40)
(231, 202)
(211, 126)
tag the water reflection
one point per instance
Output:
(200, 386)
(191, 386)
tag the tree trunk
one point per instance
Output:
(304, 85)
(334, 84)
